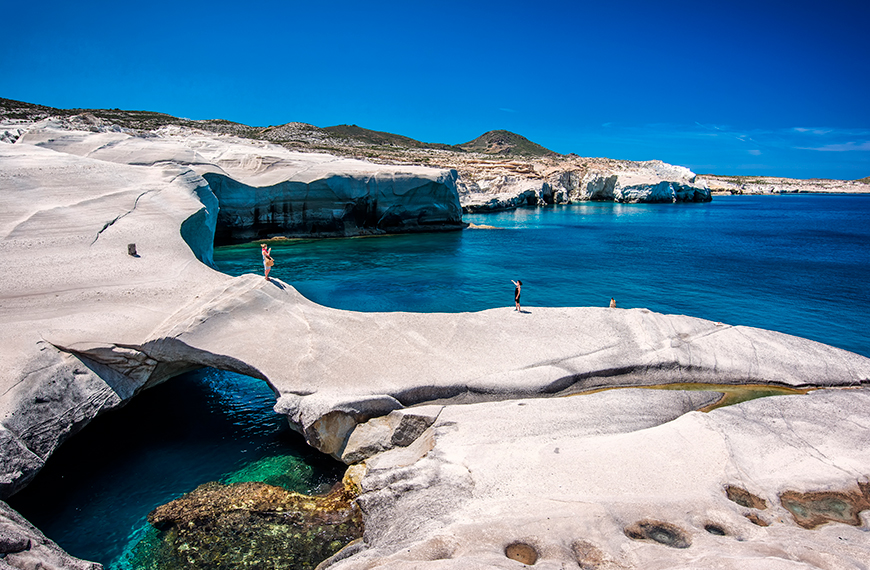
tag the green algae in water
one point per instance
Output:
(281, 470)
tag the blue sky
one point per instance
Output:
(755, 88)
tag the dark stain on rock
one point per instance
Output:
(744, 498)
(250, 525)
(716, 529)
(814, 509)
(661, 532)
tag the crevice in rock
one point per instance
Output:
(110, 223)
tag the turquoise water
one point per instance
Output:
(94, 493)
(794, 263)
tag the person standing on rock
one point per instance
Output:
(268, 262)
(519, 286)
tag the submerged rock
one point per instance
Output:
(249, 525)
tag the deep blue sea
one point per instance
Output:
(798, 264)
(795, 263)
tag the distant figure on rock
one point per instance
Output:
(268, 262)
(519, 287)
(612, 303)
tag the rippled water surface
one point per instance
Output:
(798, 264)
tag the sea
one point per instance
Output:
(798, 264)
(794, 263)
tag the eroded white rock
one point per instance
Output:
(265, 190)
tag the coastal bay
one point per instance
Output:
(445, 418)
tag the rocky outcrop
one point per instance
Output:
(647, 182)
(727, 185)
(338, 203)
(250, 525)
(475, 436)
(603, 481)
(263, 190)
(504, 193)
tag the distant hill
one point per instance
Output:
(379, 138)
(864, 180)
(505, 143)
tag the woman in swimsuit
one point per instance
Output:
(267, 257)
(519, 287)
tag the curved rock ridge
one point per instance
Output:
(265, 190)
(466, 429)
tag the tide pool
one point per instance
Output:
(797, 264)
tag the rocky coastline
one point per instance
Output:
(473, 439)
(730, 185)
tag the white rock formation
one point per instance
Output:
(778, 185)
(22, 545)
(466, 445)
(265, 190)
(653, 181)
(504, 192)
(621, 479)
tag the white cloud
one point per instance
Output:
(813, 131)
(842, 147)
(754, 152)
